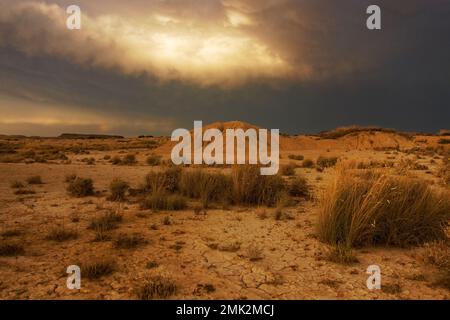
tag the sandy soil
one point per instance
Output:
(190, 250)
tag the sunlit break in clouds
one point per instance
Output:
(149, 66)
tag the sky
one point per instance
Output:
(151, 66)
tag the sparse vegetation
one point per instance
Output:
(118, 189)
(24, 192)
(308, 163)
(207, 187)
(159, 200)
(252, 188)
(10, 233)
(16, 185)
(437, 254)
(106, 222)
(299, 187)
(61, 234)
(288, 169)
(129, 159)
(254, 253)
(326, 162)
(341, 254)
(296, 157)
(166, 180)
(97, 269)
(81, 187)
(383, 209)
(34, 180)
(153, 160)
(9, 249)
(444, 141)
(129, 241)
(156, 288)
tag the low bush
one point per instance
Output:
(81, 187)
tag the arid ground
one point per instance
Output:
(197, 250)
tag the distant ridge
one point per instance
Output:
(88, 136)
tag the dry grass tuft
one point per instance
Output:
(381, 209)
(153, 160)
(129, 241)
(252, 188)
(296, 157)
(61, 234)
(16, 185)
(156, 288)
(9, 249)
(438, 254)
(97, 269)
(308, 163)
(299, 187)
(208, 187)
(326, 162)
(166, 180)
(341, 254)
(80, 187)
(288, 169)
(106, 222)
(24, 192)
(159, 200)
(11, 233)
(118, 190)
(34, 180)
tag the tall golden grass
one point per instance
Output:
(376, 208)
(252, 188)
(208, 187)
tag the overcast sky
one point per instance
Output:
(151, 66)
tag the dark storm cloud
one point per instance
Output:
(335, 72)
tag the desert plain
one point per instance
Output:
(77, 200)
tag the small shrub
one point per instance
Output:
(125, 241)
(341, 254)
(116, 160)
(24, 192)
(166, 221)
(11, 233)
(153, 160)
(156, 288)
(438, 254)
(152, 264)
(70, 177)
(118, 190)
(61, 234)
(299, 187)
(161, 201)
(80, 187)
(34, 180)
(129, 159)
(106, 222)
(8, 249)
(208, 187)
(288, 169)
(308, 163)
(444, 173)
(252, 188)
(444, 141)
(296, 157)
(326, 162)
(166, 180)
(254, 253)
(97, 269)
(16, 185)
